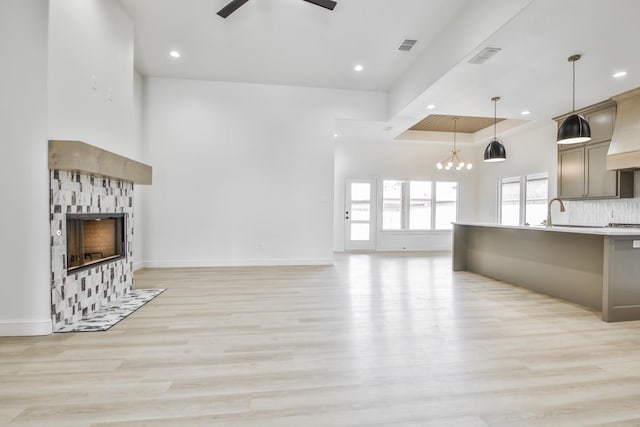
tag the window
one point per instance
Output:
(446, 204)
(392, 205)
(419, 205)
(409, 205)
(510, 201)
(537, 195)
(523, 201)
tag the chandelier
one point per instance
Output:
(454, 160)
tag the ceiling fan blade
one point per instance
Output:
(231, 7)
(327, 4)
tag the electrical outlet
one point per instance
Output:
(636, 244)
(94, 82)
(110, 94)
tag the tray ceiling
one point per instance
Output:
(444, 123)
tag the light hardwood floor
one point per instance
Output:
(376, 340)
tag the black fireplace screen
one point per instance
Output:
(94, 238)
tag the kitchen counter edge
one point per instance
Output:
(602, 231)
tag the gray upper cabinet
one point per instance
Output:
(601, 124)
(582, 168)
(599, 182)
(571, 172)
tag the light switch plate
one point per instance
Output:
(636, 244)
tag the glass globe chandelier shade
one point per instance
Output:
(454, 160)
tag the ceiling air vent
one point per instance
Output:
(407, 44)
(485, 54)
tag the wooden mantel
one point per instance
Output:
(82, 157)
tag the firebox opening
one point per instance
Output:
(94, 239)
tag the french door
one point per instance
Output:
(360, 215)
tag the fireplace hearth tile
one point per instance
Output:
(105, 318)
(107, 282)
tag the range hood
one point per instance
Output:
(624, 151)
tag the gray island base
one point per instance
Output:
(598, 268)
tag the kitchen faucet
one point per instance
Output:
(549, 223)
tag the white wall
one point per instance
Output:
(25, 299)
(402, 160)
(530, 149)
(138, 193)
(92, 38)
(95, 39)
(243, 173)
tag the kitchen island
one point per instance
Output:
(598, 268)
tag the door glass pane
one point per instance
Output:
(359, 231)
(446, 205)
(360, 211)
(361, 191)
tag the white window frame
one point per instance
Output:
(509, 180)
(404, 206)
(527, 178)
(523, 180)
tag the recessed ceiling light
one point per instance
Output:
(525, 113)
(335, 135)
(174, 54)
(619, 74)
(431, 106)
(358, 67)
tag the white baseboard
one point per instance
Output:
(138, 265)
(20, 328)
(254, 262)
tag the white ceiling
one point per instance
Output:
(293, 42)
(289, 42)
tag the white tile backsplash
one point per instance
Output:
(598, 212)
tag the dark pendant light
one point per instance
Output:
(575, 128)
(495, 151)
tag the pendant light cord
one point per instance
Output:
(573, 59)
(574, 85)
(455, 122)
(495, 116)
(495, 100)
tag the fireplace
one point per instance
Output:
(94, 239)
(91, 235)
(91, 243)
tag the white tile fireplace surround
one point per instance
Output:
(75, 294)
(88, 180)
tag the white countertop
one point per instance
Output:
(603, 231)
